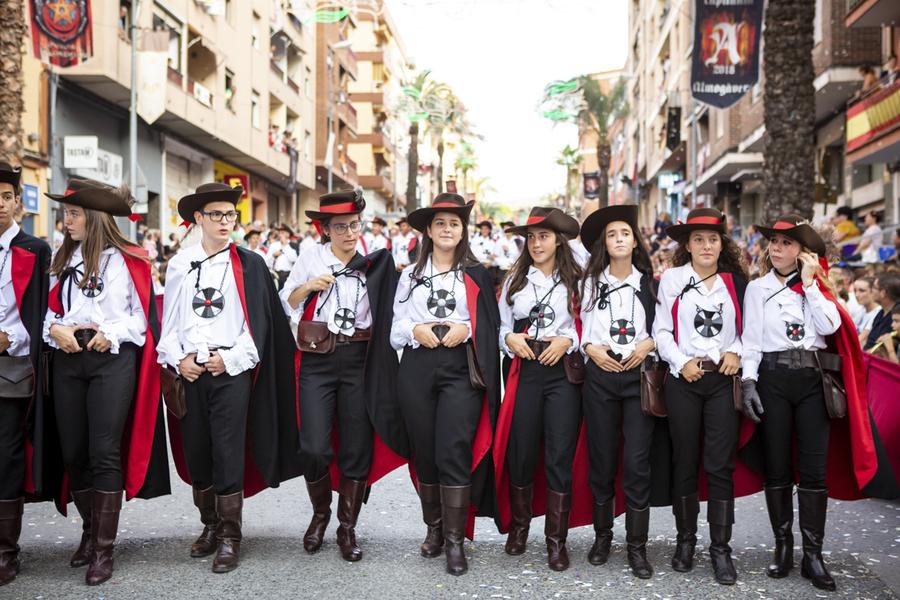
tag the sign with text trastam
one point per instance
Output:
(725, 62)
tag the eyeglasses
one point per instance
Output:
(341, 228)
(217, 215)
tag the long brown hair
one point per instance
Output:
(462, 256)
(100, 233)
(599, 260)
(765, 265)
(564, 263)
(731, 258)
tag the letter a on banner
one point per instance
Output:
(725, 64)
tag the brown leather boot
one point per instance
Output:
(228, 532)
(10, 528)
(205, 501)
(455, 500)
(556, 528)
(351, 493)
(430, 495)
(320, 496)
(520, 505)
(603, 534)
(685, 509)
(83, 500)
(105, 510)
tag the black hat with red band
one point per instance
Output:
(94, 195)
(446, 202)
(798, 229)
(705, 219)
(548, 217)
(337, 204)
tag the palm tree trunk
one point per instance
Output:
(568, 197)
(12, 34)
(604, 154)
(465, 181)
(439, 172)
(789, 104)
(413, 168)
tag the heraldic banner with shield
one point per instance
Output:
(61, 31)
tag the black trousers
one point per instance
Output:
(793, 402)
(702, 413)
(13, 412)
(333, 384)
(92, 395)
(547, 406)
(612, 408)
(441, 411)
(215, 429)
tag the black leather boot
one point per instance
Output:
(685, 509)
(430, 495)
(351, 493)
(455, 502)
(83, 500)
(603, 535)
(780, 504)
(556, 529)
(813, 505)
(105, 509)
(228, 532)
(720, 515)
(10, 528)
(520, 503)
(637, 524)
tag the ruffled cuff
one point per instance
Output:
(113, 334)
(169, 351)
(242, 357)
(45, 334)
(18, 339)
(412, 342)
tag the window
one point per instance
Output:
(125, 18)
(229, 90)
(307, 83)
(307, 146)
(817, 23)
(254, 31)
(229, 12)
(720, 123)
(254, 109)
(164, 21)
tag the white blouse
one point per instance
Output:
(618, 322)
(347, 295)
(553, 319)
(781, 319)
(435, 298)
(190, 326)
(706, 319)
(10, 320)
(111, 306)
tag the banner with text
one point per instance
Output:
(725, 62)
(61, 31)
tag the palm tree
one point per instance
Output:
(12, 33)
(789, 109)
(570, 158)
(446, 115)
(584, 102)
(411, 105)
(465, 162)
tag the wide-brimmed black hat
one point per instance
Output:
(10, 174)
(706, 219)
(446, 202)
(507, 224)
(94, 195)
(206, 193)
(252, 232)
(379, 221)
(337, 204)
(285, 227)
(594, 225)
(548, 218)
(485, 223)
(798, 229)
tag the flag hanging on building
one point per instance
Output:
(61, 31)
(725, 62)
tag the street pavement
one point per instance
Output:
(151, 558)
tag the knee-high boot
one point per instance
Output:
(455, 501)
(83, 500)
(320, 496)
(228, 532)
(205, 501)
(779, 502)
(430, 495)
(104, 526)
(637, 525)
(685, 509)
(813, 504)
(520, 503)
(603, 535)
(720, 516)
(10, 528)
(351, 493)
(556, 529)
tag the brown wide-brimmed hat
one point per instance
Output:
(707, 219)
(485, 223)
(548, 217)
(594, 225)
(379, 221)
(94, 195)
(446, 202)
(798, 229)
(206, 193)
(337, 204)
(252, 232)
(10, 174)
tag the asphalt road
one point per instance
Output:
(151, 558)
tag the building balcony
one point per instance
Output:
(346, 113)
(375, 98)
(347, 59)
(379, 183)
(381, 144)
(873, 126)
(872, 13)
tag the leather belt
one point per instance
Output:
(84, 336)
(798, 358)
(359, 335)
(708, 366)
(537, 346)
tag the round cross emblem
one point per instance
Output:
(708, 323)
(208, 303)
(542, 315)
(622, 331)
(795, 331)
(344, 318)
(93, 287)
(441, 303)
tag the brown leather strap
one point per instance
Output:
(359, 335)
(708, 366)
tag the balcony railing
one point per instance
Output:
(873, 116)
(175, 77)
(276, 69)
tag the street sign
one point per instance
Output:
(30, 198)
(108, 168)
(80, 152)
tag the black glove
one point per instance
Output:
(753, 408)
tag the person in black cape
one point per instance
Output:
(446, 321)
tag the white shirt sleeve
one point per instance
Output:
(402, 327)
(754, 313)
(825, 314)
(18, 338)
(131, 327)
(242, 356)
(664, 327)
(507, 321)
(298, 276)
(169, 349)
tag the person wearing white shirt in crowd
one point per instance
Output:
(310, 238)
(282, 255)
(701, 342)
(782, 385)
(96, 327)
(252, 238)
(376, 239)
(507, 249)
(867, 307)
(482, 244)
(405, 247)
(618, 308)
(537, 329)
(872, 239)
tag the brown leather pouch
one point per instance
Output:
(16, 377)
(832, 384)
(653, 378)
(314, 336)
(172, 387)
(573, 363)
(475, 376)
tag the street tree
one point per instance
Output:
(12, 83)
(570, 158)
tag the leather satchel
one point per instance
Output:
(832, 384)
(653, 378)
(314, 336)
(475, 376)
(16, 377)
(573, 363)
(172, 386)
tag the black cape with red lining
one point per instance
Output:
(272, 439)
(380, 368)
(44, 468)
(485, 319)
(864, 471)
(145, 465)
(582, 498)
